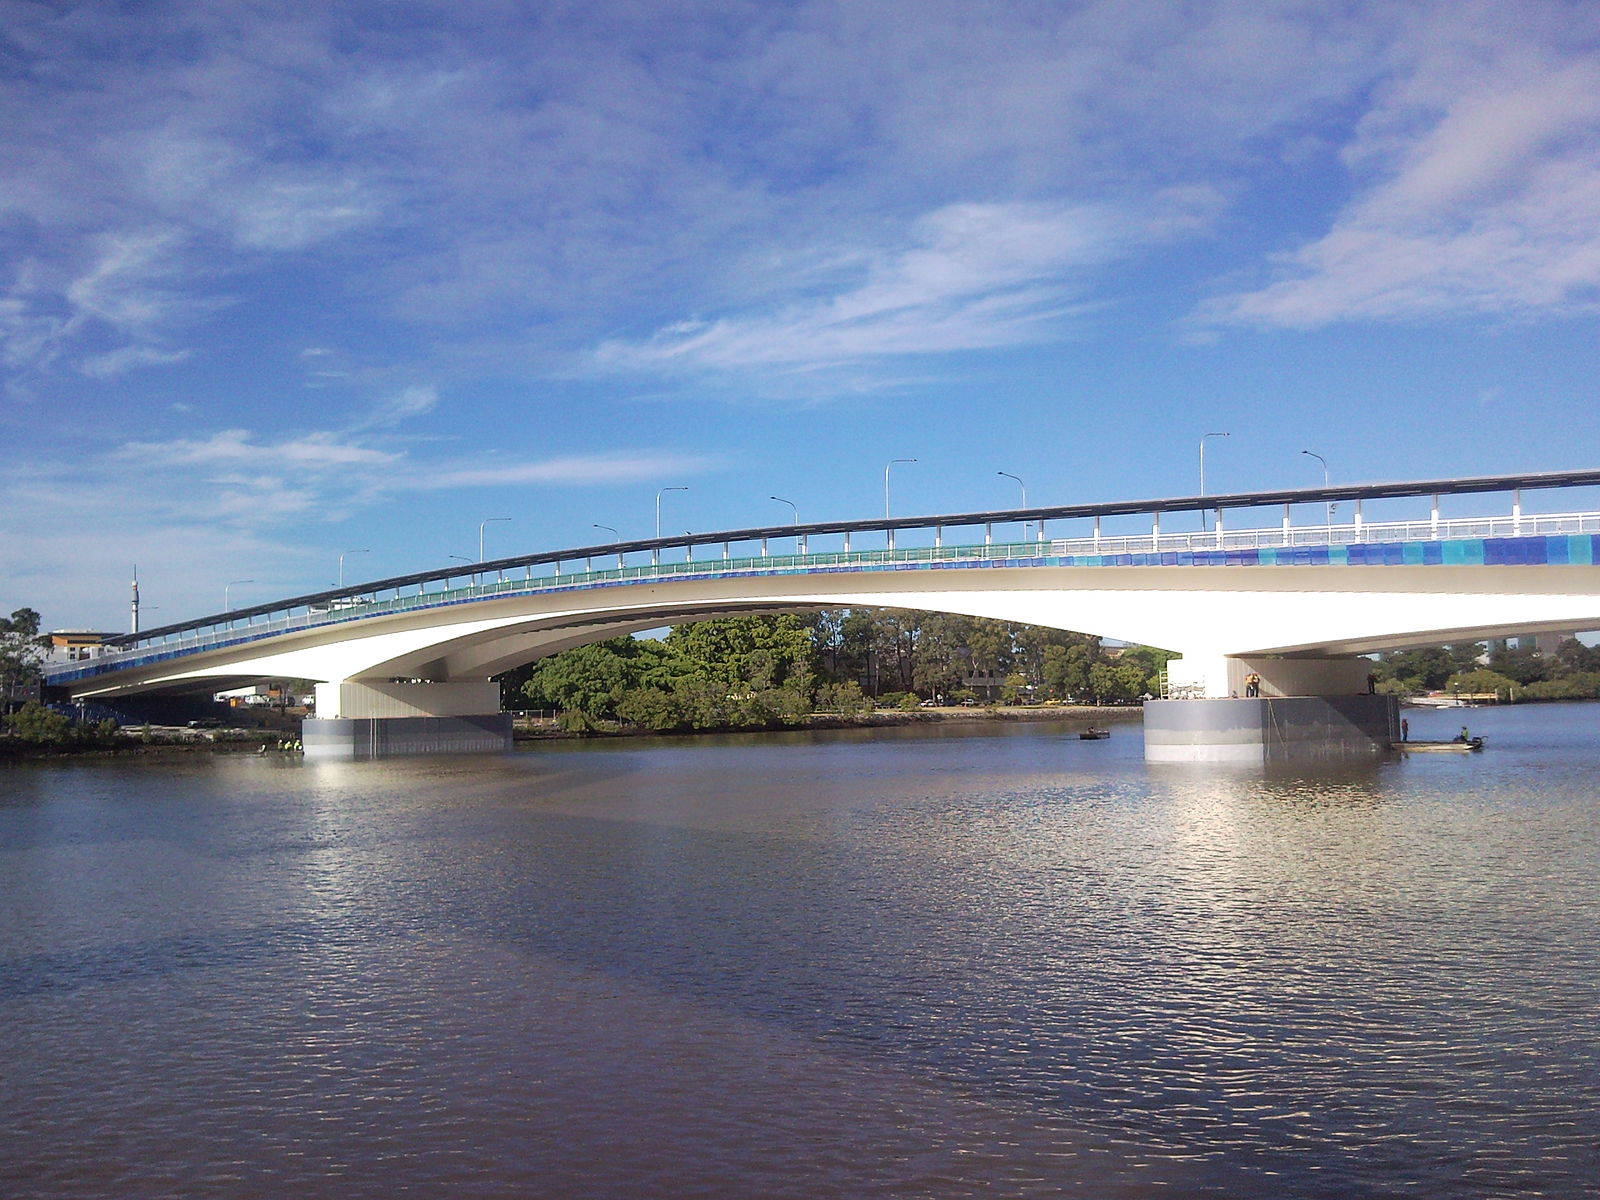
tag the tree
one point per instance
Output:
(1573, 655)
(1522, 665)
(1066, 670)
(590, 679)
(1481, 681)
(1116, 683)
(21, 651)
(39, 725)
(1149, 662)
(1420, 670)
(1015, 688)
(941, 662)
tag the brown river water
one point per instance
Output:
(995, 961)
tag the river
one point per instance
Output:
(995, 961)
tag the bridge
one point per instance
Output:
(405, 662)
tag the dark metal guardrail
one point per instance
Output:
(1208, 503)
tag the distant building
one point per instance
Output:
(76, 646)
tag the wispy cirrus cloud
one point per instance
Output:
(130, 358)
(1484, 200)
(969, 277)
(231, 447)
(584, 470)
(259, 481)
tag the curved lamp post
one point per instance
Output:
(660, 494)
(1203, 438)
(341, 562)
(1024, 488)
(655, 552)
(886, 482)
(226, 607)
(800, 542)
(1324, 463)
(616, 537)
(481, 524)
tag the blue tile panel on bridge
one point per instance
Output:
(1579, 549)
(1561, 549)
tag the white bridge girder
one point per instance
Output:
(1208, 613)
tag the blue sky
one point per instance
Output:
(280, 281)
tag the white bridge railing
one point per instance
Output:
(1353, 533)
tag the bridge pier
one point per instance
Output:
(381, 719)
(1306, 710)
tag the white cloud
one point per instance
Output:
(575, 471)
(1489, 206)
(129, 358)
(128, 289)
(233, 447)
(412, 401)
(970, 277)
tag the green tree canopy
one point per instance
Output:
(21, 650)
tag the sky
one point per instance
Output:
(283, 282)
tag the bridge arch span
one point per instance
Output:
(1205, 613)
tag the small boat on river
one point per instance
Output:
(1093, 735)
(1452, 747)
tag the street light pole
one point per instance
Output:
(655, 553)
(791, 504)
(886, 482)
(1024, 488)
(659, 494)
(1203, 438)
(341, 563)
(1324, 463)
(481, 524)
(226, 607)
(616, 537)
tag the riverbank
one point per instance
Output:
(547, 729)
(145, 741)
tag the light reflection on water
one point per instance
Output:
(918, 964)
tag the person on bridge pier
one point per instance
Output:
(1252, 684)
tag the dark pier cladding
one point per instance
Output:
(1271, 729)
(402, 737)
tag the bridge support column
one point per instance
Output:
(378, 719)
(1307, 709)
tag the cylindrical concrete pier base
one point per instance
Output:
(1270, 729)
